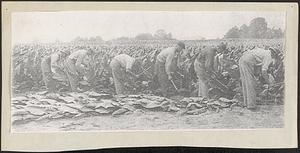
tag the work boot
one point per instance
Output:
(253, 109)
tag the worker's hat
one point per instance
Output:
(138, 61)
(222, 45)
(181, 44)
(274, 50)
(90, 50)
(65, 51)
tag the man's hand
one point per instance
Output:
(128, 70)
(170, 77)
(266, 86)
(137, 76)
(209, 72)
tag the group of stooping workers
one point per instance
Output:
(64, 65)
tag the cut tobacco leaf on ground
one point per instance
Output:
(120, 111)
(36, 111)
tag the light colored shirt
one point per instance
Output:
(125, 61)
(262, 57)
(55, 62)
(78, 54)
(81, 59)
(167, 56)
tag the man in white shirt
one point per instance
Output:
(250, 60)
(52, 69)
(121, 65)
(76, 66)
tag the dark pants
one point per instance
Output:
(119, 76)
(160, 72)
(47, 74)
(72, 74)
(203, 80)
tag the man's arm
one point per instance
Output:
(216, 63)
(54, 61)
(265, 65)
(209, 60)
(80, 67)
(168, 64)
(129, 64)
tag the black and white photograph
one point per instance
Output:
(147, 70)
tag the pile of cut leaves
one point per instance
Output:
(41, 106)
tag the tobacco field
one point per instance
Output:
(31, 104)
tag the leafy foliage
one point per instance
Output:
(27, 74)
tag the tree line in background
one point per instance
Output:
(96, 39)
(158, 35)
(257, 29)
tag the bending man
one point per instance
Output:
(247, 63)
(52, 69)
(76, 66)
(204, 65)
(166, 62)
(121, 65)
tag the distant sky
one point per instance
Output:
(65, 26)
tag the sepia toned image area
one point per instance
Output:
(147, 70)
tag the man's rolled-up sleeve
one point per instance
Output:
(54, 62)
(79, 62)
(209, 60)
(169, 62)
(129, 64)
(266, 62)
(265, 65)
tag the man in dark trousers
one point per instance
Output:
(166, 63)
(204, 65)
(76, 66)
(123, 65)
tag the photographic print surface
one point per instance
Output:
(147, 70)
